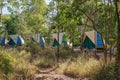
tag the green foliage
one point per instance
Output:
(26, 17)
(106, 73)
(33, 47)
(17, 66)
(23, 67)
(46, 58)
(5, 63)
(64, 53)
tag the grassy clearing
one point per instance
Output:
(80, 67)
(15, 64)
(87, 68)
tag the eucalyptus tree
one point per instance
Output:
(117, 65)
(2, 5)
(16, 24)
(36, 18)
(28, 16)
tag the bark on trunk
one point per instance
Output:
(117, 64)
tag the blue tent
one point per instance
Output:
(99, 42)
(93, 39)
(20, 41)
(3, 41)
(41, 40)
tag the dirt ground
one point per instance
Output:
(49, 74)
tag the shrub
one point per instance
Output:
(24, 69)
(15, 64)
(64, 53)
(22, 66)
(107, 73)
(46, 58)
(5, 63)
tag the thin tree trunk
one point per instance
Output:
(58, 48)
(83, 32)
(110, 26)
(117, 64)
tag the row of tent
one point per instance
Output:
(18, 40)
(92, 39)
(14, 40)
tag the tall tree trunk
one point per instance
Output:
(110, 26)
(58, 48)
(117, 64)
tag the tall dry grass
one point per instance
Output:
(19, 65)
(86, 68)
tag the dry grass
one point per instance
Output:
(84, 67)
(21, 67)
(81, 67)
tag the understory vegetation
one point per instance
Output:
(15, 64)
(67, 35)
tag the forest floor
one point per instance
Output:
(52, 74)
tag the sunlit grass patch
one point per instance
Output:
(81, 67)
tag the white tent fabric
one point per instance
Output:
(23, 42)
(37, 38)
(43, 39)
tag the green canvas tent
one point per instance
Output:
(11, 42)
(55, 43)
(93, 39)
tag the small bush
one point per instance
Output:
(5, 63)
(24, 68)
(107, 73)
(64, 53)
(17, 63)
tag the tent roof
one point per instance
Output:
(14, 37)
(91, 35)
